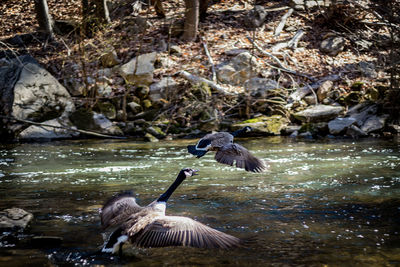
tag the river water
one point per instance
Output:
(332, 202)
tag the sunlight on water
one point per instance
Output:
(318, 203)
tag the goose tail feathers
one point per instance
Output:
(192, 150)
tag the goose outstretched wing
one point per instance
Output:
(166, 231)
(232, 153)
(118, 209)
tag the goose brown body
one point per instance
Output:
(149, 226)
(227, 152)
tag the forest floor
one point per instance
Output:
(73, 55)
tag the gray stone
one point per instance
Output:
(361, 112)
(367, 69)
(151, 138)
(241, 68)
(355, 132)
(105, 125)
(14, 218)
(310, 99)
(47, 132)
(165, 84)
(104, 72)
(235, 51)
(134, 107)
(140, 73)
(332, 45)
(103, 89)
(37, 95)
(259, 87)
(374, 123)
(338, 125)
(324, 89)
(308, 4)
(318, 113)
(109, 59)
(74, 86)
(156, 131)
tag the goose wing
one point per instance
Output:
(231, 153)
(215, 140)
(166, 231)
(118, 209)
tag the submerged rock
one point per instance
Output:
(14, 218)
(48, 132)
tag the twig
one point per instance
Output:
(276, 9)
(214, 74)
(281, 67)
(283, 22)
(63, 127)
(195, 79)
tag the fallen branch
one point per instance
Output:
(195, 79)
(305, 90)
(63, 127)
(281, 67)
(292, 43)
(214, 74)
(283, 22)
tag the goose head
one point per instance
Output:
(247, 129)
(188, 172)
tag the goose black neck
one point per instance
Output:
(164, 197)
(238, 132)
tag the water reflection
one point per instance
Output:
(335, 202)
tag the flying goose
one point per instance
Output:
(227, 152)
(149, 226)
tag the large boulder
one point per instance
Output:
(139, 70)
(318, 113)
(339, 125)
(361, 112)
(14, 218)
(63, 129)
(29, 92)
(374, 123)
(91, 121)
(263, 125)
(241, 68)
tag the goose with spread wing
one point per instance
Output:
(228, 152)
(149, 226)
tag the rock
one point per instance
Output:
(147, 104)
(156, 131)
(174, 49)
(315, 128)
(374, 123)
(289, 129)
(163, 85)
(107, 109)
(355, 132)
(103, 89)
(241, 68)
(48, 133)
(259, 87)
(88, 120)
(109, 59)
(324, 89)
(143, 75)
(332, 45)
(46, 241)
(74, 86)
(310, 99)
(263, 125)
(149, 137)
(27, 91)
(135, 107)
(14, 218)
(255, 17)
(367, 69)
(308, 4)
(305, 135)
(107, 72)
(39, 96)
(318, 113)
(339, 125)
(361, 112)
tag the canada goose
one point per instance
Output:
(227, 151)
(149, 226)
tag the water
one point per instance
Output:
(333, 203)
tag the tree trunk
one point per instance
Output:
(191, 20)
(102, 11)
(44, 18)
(94, 14)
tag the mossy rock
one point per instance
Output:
(263, 125)
(83, 119)
(357, 86)
(320, 128)
(352, 98)
(107, 109)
